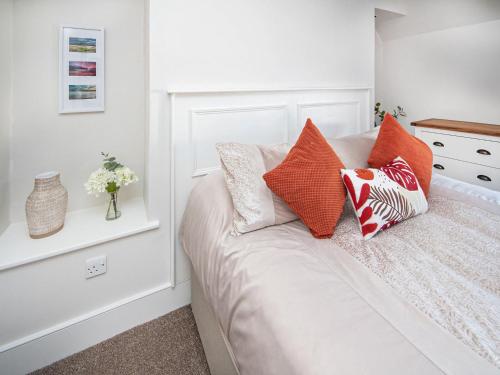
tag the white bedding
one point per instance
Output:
(292, 304)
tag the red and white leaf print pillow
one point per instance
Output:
(384, 197)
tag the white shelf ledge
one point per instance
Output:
(83, 228)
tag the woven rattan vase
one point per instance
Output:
(46, 206)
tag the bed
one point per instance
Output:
(420, 298)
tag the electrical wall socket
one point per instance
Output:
(95, 266)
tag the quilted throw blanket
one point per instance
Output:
(446, 263)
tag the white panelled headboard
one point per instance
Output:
(200, 119)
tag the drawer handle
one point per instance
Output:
(439, 166)
(439, 144)
(483, 177)
(483, 152)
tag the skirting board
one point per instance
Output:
(96, 327)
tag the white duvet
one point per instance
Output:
(421, 298)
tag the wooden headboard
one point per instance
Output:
(196, 120)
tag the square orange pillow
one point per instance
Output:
(309, 181)
(393, 141)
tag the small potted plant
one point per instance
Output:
(380, 113)
(110, 178)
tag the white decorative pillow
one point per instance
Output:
(255, 205)
(384, 197)
(354, 150)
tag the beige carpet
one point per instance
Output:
(167, 345)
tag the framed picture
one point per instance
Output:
(81, 69)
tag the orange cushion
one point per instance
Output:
(309, 181)
(393, 141)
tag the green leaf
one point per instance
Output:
(110, 163)
(112, 188)
(108, 166)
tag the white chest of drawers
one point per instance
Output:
(463, 150)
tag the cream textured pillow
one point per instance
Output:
(255, 205)
(354, 150)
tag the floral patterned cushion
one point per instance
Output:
(384, 197)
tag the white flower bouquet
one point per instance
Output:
(110, 178)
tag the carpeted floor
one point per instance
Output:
(167, 345)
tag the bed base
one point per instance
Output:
(218, 351)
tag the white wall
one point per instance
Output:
(48, 309)
(424, 16)
(394, 6)
(5, 107)
(445, 73)
(44, 140)
(286, 43)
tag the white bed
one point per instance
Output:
(291, 304)
(278, 301)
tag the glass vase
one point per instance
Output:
(113, 211)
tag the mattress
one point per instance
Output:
(420, 298)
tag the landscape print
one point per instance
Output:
(82, 68)
(82, 45)
(78, 92)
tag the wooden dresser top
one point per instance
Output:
(459, 126)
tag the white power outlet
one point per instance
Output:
(95, 266)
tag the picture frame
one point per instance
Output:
(81, 69)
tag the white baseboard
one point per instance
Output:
(45, 347)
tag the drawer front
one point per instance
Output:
(472, 150)
(468, 172)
